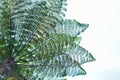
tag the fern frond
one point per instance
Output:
(71, 27)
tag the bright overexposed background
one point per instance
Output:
(102, 38)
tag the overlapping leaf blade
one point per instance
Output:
(80, 55)
(72, 67)
(64, 60)
(43, 56)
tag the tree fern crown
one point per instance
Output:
(38, 43)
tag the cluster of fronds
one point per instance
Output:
(37, 43)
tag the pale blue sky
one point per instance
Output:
(102, 38)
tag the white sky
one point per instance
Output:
(102, 38)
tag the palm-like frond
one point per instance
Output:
(36, 42)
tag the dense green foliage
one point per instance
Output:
(38, 43)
